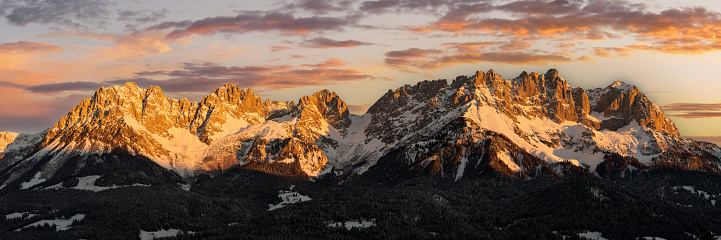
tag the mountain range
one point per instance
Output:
(482, 126)
(529, 125)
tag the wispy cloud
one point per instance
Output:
(320, 6)
(206, 76)
(13, 54)
(257, 21)
(694, 110)
(279, 48)
(76, 14)
(331, 62)
(675, 30)
(127, 47)
(29, 113)
(28, 47)
(514, 53)
(142, 16)
(322, 42)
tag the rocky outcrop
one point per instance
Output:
(538, 114)
(5, 139)
(532, 125)
(330, 107)
(177, 133)
(622, 104)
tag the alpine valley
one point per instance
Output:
(477, 157)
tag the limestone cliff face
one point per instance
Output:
(286, 143)
(177, 133)
(622, 104)
(6, 138)
(533, 124)
(436, 125)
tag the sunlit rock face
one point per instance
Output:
(533, 124)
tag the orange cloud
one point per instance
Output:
(322, 42)
(469, 46)
(677, 30)
(279, 48)
(257, 22)
(128, 47)
(25, 76)
(513, 52)
(330, 63)
(207, 76)
(17, 53)
(694, 110)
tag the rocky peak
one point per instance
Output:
(623, 104)
(423, 91)
(330, 106)
(6, 138)
(551, 75)
(232, 95)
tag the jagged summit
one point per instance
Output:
(5, 139)
(474, 124)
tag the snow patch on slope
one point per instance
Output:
(507, 159)
(19, 215)
(61, 224)
(357, 223)
(231, 126)
(288, 197)
(489, 118)
(271, 129)
(186, 150)
(162, 233)
(37, 179)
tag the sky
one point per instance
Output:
(54, 53)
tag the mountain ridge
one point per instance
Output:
(440, 127)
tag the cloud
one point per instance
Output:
(322, 42)
(13, 54)
(377, 7)
(257, 21)
(539, 7)
(434, 7)
(464, 11)
(330, 63)
(279, 48)
(28, 47)
(207, 76)
(53, 87)
(142, 16)
(208, 69)
(128, 47)
(515, 45)
(469, 46)
(689, 30)
(412, 57)
(694, 110)
(30, 113)
(470, 52)
(320, 6)
(65, 86)
(76, 14)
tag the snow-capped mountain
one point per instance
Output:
(530, 125)
(6, 138)
(485, 121)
